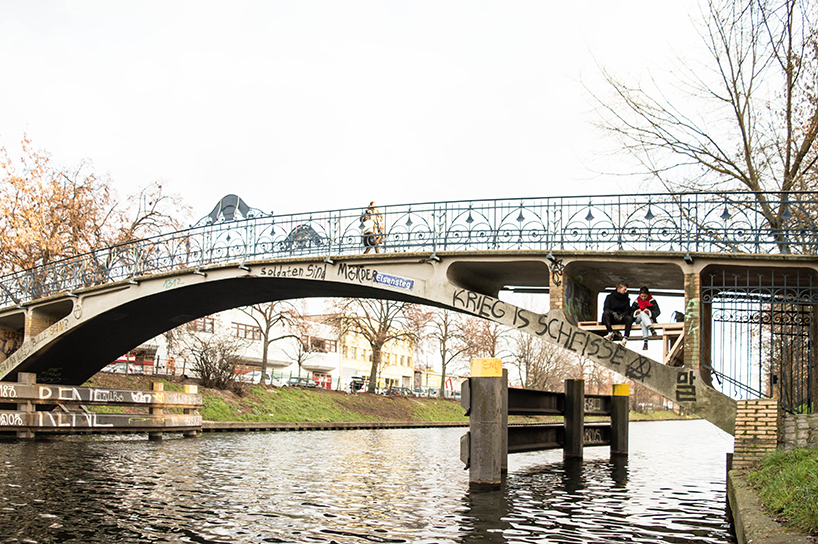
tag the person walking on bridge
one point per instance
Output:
(617, 311)
(372, 228)
(645, 311)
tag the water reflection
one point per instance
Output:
(404, 485)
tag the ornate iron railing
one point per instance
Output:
(695, 222)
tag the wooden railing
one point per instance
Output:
(68, 413)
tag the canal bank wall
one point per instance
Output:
(251, 426)
(752, 524)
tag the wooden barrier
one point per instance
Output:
(71, 415)
(488, 403)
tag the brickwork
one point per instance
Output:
(37, 324)
(756, 431)
(556, 293)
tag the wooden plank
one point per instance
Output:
(90, 420)
(56, 394)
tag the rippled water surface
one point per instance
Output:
(402, 485)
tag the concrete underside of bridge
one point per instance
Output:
(68, 338)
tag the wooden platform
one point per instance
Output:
(671, 334)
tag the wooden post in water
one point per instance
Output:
(192, 389)
(620, 412)
(157, 435)
(486, 423)
(504, 426)
(574, 419)
(26, 378)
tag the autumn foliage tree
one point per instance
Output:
(49, 212)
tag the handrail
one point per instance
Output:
(684, 222)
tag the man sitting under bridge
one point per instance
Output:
(617, 311)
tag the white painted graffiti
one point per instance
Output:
(593, 404)
(593, 436)
(141, 398)
(11, 420)
(107, 395)
(8, 391)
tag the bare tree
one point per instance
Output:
(749, 123)
(150, 212)
(303, 348)
(486, 338)
(270, 316)
(376, 321)
(447, 330)
(540, 364)
(213, 356)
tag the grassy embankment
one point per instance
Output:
(298, 405)
(787, 484)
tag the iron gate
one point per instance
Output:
(763, 334)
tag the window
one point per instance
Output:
(204, 324)
(252, 332)
(354, 353)
(322, 344)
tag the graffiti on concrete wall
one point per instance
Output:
(10, 341)
(578, 303)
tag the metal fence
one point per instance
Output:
(763, 335)
(694, 222)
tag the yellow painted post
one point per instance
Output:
(620, 411)
(486, 423)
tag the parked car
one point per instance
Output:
(356, 384)
(301, 382)
(392, 391)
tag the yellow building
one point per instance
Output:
(397, 362)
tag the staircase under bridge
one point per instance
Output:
(750, 291)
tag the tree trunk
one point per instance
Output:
(376, 364)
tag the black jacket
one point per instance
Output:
(653, 307)
(617, 303)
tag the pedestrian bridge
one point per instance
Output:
(66, 320)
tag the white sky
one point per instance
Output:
(312, 105)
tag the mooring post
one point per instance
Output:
(620, 412)
(192, 389)
(157, 435)
(26, 378)
(486, 423)
(504, 428)
(574, 419)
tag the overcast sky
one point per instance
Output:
(312, 105)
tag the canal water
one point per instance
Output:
(362, 486)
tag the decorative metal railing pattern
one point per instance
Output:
(763, 335)
(697, 222)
